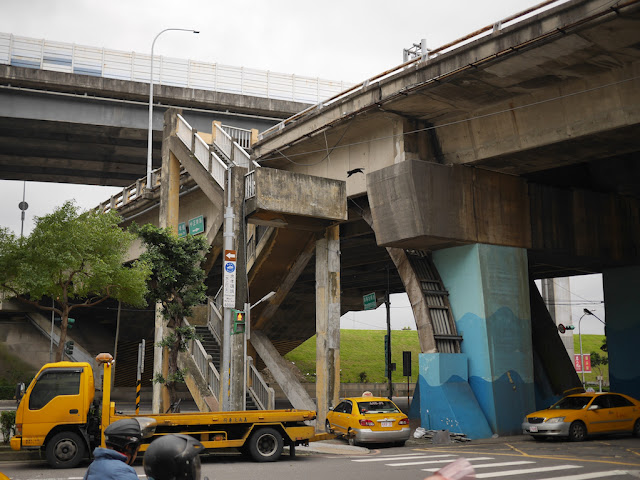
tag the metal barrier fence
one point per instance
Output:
(101, 62)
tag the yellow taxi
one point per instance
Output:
(583, 414)
(368, 419)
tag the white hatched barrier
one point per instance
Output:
(101, 62)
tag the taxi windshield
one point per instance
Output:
(572, 403)
(377, 406)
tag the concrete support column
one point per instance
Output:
(489, 294)
(327, 323)
(622, 305)
(167, 217)
(556, 293)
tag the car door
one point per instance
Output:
(624, 411)
(336, 419)
(600, 417)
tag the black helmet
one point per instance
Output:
(173, 457)
(126, 434)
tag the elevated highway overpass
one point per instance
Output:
(504, 158)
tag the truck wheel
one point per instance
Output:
(265, 445)
(65, 450)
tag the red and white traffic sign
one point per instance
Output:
(230, 255)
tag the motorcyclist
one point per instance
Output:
(122, 439)
(173, 457)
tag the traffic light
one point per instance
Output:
(68, 347)
(562, 328)
(70, 322)
(238, 321)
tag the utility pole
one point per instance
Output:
(229, 293)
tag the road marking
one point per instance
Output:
(586, 476)
(413, 456)
(450, 460)
(487, 465)
(526, 471)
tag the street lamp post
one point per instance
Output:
(150, 135)
(586, 312)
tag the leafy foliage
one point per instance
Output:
(177, 282)
(75, 258)
(7, 424)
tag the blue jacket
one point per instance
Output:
(109, 465)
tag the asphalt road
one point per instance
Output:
(517, 458)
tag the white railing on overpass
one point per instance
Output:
(101, 62)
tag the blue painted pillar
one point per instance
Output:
(446, 399)
(622, 309)
(489, 295)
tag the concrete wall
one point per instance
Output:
(489, 295)
(622, 305)
(23, 340)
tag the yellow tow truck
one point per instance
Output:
(60, 415)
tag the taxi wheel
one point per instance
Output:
(636, 428)
(327, 427)
(352, 439)
(65, 450)
(577, 432)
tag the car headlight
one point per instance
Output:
(555, 420)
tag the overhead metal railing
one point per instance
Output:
(101, 62)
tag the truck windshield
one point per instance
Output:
(51, 384)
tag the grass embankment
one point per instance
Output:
(592, 343)
(363, 351)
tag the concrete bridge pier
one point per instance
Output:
(327, 323)
(489, 295)
(623, 329)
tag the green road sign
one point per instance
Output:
(196, 225)
(369, 301)
(182, 229)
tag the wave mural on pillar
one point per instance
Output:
(500, 367)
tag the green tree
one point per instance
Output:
(177, 282)
(599, 361)
(75, 258)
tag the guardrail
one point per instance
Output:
(131, 193)
(206, 367)
(214, 321)
(101, 62)
(262, 394)
(430, 54)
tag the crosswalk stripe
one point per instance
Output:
(485, 465)
(587, 476)
(526, 471)
(406, 464)
(387, 459)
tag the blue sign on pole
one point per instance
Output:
(230, 267)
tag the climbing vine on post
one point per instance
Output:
(177, 283)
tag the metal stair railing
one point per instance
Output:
(262, 394)
(201, 150)
(214, 321)
(205, 365)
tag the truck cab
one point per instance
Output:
(55, 412)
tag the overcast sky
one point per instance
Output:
(335, 40)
